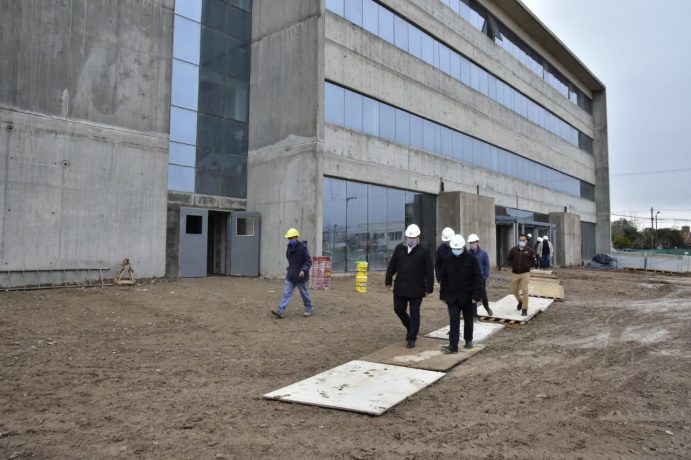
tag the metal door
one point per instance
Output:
(194, 225)
(243, 239)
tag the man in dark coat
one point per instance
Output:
(461, 284)
(443, 249)
(522, 259)
(298, 272)
(411, 262)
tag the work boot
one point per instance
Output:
(524, 312)
(308, 313)
(489, 311)
(277, 314)
(520, 306)
(469, 344)
(448, 349)
(411, 344)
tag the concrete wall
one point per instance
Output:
(84, 102)
(603, 229)
(469, 213)
(567, 244)
(286, 127)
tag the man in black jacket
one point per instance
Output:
(411, 262)
(443, 249)
(297, 275)
(461, 283)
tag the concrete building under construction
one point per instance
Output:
(188, 135)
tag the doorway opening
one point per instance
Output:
(217, 243)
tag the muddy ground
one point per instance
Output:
(177, 370)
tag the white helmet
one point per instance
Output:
(447, 234)
(530, 235)
(413, 231)
(457, 242)
(473, 238)
(539, 239)
(545, 237)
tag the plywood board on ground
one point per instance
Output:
(543, 273)
(505, 311)
(549, 290)
(537, 302)
(480, 331)
(427, 354)
(358, 386)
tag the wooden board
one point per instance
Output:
(539, 273)
(481, 331)
(426, 355)
(358, 386)
(548, 290)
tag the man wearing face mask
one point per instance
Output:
(443, 249)
(411, 262)
(522, 259)
(483, 259)
(299, 263)
(461, 284)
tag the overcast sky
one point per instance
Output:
(641, 51)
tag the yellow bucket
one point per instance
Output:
(361, 277)
(361, 266)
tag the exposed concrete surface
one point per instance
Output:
(567, 246)
(603, 230)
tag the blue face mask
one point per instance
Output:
(292, 242)
(457, 252)
(521, 244)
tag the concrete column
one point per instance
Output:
(567, 244)
(603, 230)
(468, 213)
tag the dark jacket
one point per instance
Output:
(442, 250)
(414, 272)
(521, 261)
(298, 260)
(461, 280)
(483, 260)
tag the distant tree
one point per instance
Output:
(669, 238)
(623, 227)
(621, 242)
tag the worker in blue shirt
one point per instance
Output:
(483, 259)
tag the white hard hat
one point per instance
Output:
(545, 237)
(473, 238)
(457, 242)
(530, 235)
(447, 234)
(539, 238)
(413, 231)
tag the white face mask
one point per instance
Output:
(457, 252)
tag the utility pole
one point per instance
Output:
(652, 238)
(656, 224)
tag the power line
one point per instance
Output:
(647, 173)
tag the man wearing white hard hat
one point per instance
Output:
(483, 259)
(443, 249)
(461, 284)
(411, 263)
(544, 252)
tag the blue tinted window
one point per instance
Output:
(370, 116)
(180, 178)
(386, 25)
(446, 142)
(336, 6)
(414, 41)
(353, 11)
(455, 65)
(429, 136)
(183, 125)
(185, 85)
(182, 154)
(186, 39)
(401, 33)
(334, 218)
(467, 152)
(236, 99)
(353, 111)
(445, 59)
(427, 49)
(370, 16)
(387, 122)
(465, 71)
(334, 104)
(191, 9)
(416, 132)
(402, 127)
(457, 146)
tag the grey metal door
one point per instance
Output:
(194, 225)
(243, 239)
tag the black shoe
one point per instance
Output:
(469, 344)
(489, 311)
(524, 312)
(277, 314)
(520, 306)
(411, 344)
(448, 349)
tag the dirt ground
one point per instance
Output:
(177, 370)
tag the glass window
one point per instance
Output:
(401, 33)
(236, 99)
(475, 77)
(446, 142)
(477, 152)
(386, 27)
(486, 159)
(211, 86)
(334, 218)
(493, 158)
(353, 11)
(336, 6)
(370, 16)
(429, 137)
(238, 60)
(185, 85)
(191, 9)
(186, 36)
(353, 111)
(427, 49)
(180, 178)
(395, 218)
(492, 87)
(467, 152)
(220, 135)
(414, 41)
(416, 132)
(455, 6)
(500, 92)
(455, 65)
(377, 243)
(214, 50)
(182, 154)
(356, 224)
(445, 59)
(238, 24)
(244, 226)
(484, 82)
(370, 116)
(402, 127)
(334, 105)
(183, 125)
(457, 146)
(214, 14)
(387, 122)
